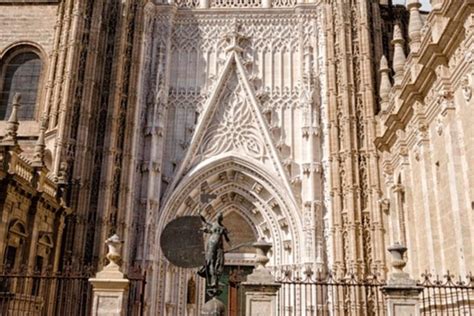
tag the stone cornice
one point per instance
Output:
(434, 51)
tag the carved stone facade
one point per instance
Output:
(32, 207)
(425, 138)
(271, 105)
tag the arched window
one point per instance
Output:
(20, 74)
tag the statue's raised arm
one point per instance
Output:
(206, 226)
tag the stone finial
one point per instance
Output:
(385, 84)
(262, 248)
(234, 39)
(12, 123)
(401, 290)
(398, 261)
(113, 254)
(261, 274)
(38, 155)
(398, 276)
(415, 24)
(110, 283)
(399, 58)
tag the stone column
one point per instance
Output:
(260, 288)
(109, 285)
(401, 292)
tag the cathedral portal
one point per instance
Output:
(232, 107)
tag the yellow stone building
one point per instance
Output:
(330, 128)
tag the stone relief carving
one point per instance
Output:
(187, 55)
(234, 128)
(199, 43)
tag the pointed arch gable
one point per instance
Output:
(233, 66)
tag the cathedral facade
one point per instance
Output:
(331, 129)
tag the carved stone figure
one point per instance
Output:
(214, 266)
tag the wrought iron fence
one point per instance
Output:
(309, 294)
(68, 292)
(447, 296)
(312, 294)
(45, 292)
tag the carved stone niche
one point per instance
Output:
(255, 211)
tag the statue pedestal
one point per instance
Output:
(213, 307)
(260, 288)
(260, 299)
(260, 293)
(401, 292)
(109, 287)
(402, 300)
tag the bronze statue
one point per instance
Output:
(214, 266)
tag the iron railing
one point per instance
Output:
(447, 296)
(311, 294)
(45, 292)
(67, 292)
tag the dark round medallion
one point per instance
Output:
(182, 242)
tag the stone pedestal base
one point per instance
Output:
(402, 299)
(213, 307)
(260, 299)
(260, 293)
(109, 289)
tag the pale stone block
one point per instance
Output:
(262, 301)
(108, 296)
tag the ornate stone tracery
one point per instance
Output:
(233, 128)
(254, 104)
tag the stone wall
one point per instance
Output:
(34, 25)
(27, 23)
(426, 135)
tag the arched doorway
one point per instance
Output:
(255, 206)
